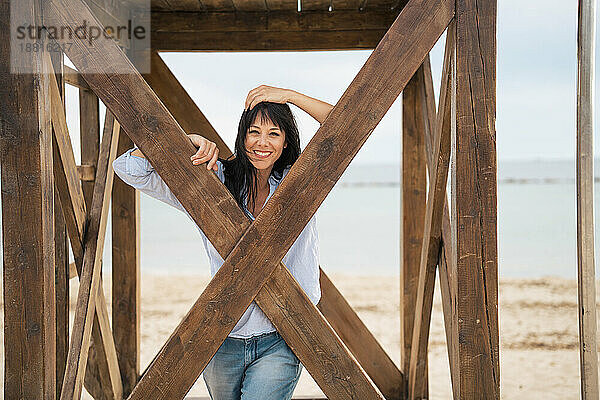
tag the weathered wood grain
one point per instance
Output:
(160, 5)
(73, 78)
(74, 210)
(432, 231)
(280, 21)
(61, 250)
(249, 5)
(357, 378)
(333, 306)
(348, 117)
(586, 276)
(185, 5)
(66, 176)
(414, 189)
(274, 30)
(447, 261)
(475, 188)
(346, 4)
(296, 318)
(273, 5)
(316, 5)
(90, 274)
(180, 104)
(359, 340)
(433, 21)
(221, 5)
(89, 122)
(27, 218)
(89, 132)
(126, 282)
(87, 173)
(300, 177)
(266, 41)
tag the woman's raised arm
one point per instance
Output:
(318, 109)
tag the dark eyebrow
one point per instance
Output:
(254, 126)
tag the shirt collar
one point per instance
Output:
(273, 183)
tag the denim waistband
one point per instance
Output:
(257, 337)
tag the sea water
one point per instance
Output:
(359, 224)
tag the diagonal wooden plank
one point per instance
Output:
(432, 228)
(436, 17)
(360, 341)
(447, 263)
(73, 78)
(336, 310)
(90, 274)
(297, 319)
(67, 177)
(102, 375)
(74, 209)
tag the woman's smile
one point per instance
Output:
(262, 154)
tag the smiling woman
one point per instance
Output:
(254, 362)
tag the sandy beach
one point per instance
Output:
(538, 330)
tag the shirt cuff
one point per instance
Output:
(137, 166)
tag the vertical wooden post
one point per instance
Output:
(588, 352)
(414, 187)
(61, 249)
(27, 217)
(126, 276)
(474, 194)
(89, 131)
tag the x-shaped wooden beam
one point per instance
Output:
(241, 278)
(336, 310)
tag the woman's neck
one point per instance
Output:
(262, 177)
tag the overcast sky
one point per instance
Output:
(536, 84)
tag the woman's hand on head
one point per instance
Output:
(266, 93)
(207, 152)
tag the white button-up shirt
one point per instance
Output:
(302, 259)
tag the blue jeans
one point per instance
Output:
(262, 367)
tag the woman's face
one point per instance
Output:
(264, 143)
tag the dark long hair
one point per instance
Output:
(240, 174)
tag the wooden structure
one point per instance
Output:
(588, 347)
(154, 112)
